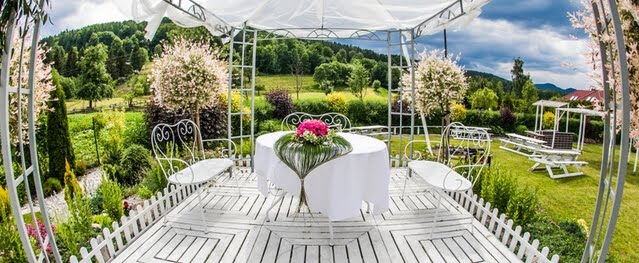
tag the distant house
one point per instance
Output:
(585, 95)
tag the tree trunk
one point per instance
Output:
(198, 137)
(90, 104)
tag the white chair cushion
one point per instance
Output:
(434, 173)
(203, 171)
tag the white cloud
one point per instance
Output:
(73, 14)
(492, 44)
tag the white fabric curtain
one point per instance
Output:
(304, 17)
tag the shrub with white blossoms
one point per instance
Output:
(188, 75)
(439, 83)
(19, 76)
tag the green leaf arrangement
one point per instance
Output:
(304, 157)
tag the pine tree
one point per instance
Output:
(518, 77)
(72, 63)
(96, 84)
(58, 139)
(139, 57)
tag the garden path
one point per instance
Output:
(57, 206)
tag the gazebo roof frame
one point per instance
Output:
(445, 18)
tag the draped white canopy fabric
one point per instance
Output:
(307, 18)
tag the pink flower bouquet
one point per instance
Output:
(314, 131)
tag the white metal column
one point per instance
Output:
(401, 44)
(242, 52)
(612, 178)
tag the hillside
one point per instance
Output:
(553, 87)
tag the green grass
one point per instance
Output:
(571, 198)
(284, 82)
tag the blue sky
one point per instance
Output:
(538, 31)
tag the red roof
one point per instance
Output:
(586, 95)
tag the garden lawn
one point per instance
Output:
(284, 82)
(571, 198)
(81, 130)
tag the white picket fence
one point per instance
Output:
(109, 244)
(499, 225)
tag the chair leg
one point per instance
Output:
(437, 207)
(368, 207)
(202, 210)
(404, 188)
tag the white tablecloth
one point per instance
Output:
(336, 188)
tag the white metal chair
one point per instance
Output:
(462, 155)
(333, 119)
(179, 150)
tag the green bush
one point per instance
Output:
(502, 191)
(155, 180)
(80, 168)
(144, 192)
(135, 130)
(103, 220)
(458, 112)
(376, 85)
(51, 186)
(312, 106)
(134, 164)
(269, 126)
(521, 129)
(336, 102)
(522, 207)
(76, 231)
(111, 198)
(560, 238)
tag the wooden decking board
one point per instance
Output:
(238, 232)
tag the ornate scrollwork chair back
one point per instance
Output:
(334, 120)
(177, 145)
(462, 154)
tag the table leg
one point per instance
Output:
(330, 229)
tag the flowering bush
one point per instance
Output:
(19, 74)
(188, 75)
(439, 82)
(314, 131)
(34, 232)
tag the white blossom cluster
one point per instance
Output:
(19, 76)
(188, 75)
(584, 19)
(439, 82)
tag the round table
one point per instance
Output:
(336, 188)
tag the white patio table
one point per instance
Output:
(336, 188)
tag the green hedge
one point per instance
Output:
(375, 112)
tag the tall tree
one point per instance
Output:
(57, 57)
(96, 83)
(299, 61)
(518, 77)
(484, 99)
(139, 57)
(529, 96)
(72, 63)
(358, 80)
(118, 63)
(58, 140)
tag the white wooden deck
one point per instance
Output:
(237, 231)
